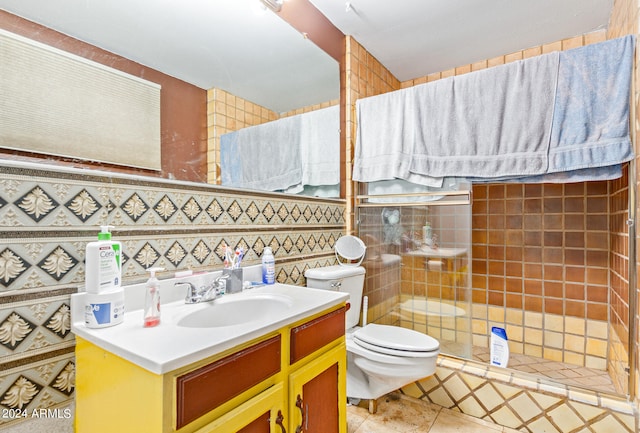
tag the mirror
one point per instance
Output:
(237, 46)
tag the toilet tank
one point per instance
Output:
(347, 279)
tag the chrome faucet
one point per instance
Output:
(204, 293)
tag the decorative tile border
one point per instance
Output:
(47, 217)
(520, 402)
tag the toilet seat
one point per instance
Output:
(397, 341)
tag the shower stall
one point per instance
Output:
(549, 266)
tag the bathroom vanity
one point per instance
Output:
(204, 370)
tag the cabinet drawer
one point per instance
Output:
(312, 335)
(206, 388)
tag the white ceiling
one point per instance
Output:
(414, 38)
(231, 45)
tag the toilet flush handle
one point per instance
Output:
(336, 285)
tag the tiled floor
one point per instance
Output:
(566, 374)
(401, 414)
(396, 414)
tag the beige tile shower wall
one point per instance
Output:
(624, 21)
(47, 216)
(573, 340)
(309, 108)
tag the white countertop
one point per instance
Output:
(167, 346)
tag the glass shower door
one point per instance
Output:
(418, 263)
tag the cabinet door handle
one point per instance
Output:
(279, 420)
(300, 405)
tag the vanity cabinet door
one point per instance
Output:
(317, 394)
(316, 334)
(265, 413)
(212, 386)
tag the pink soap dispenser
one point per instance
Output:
(152, 300)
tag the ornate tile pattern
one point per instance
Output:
(522, 402)
(47, 216)
(46, 384)
(29, 326)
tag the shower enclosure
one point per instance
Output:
(418, 262)
(549, 267)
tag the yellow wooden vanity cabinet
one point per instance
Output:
(287, 381)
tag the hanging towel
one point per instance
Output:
(610, 172)
(488, 123)
(591, 117)
(230, 167)
(535, 120)
(259, 151)
(386, 125)
(319, 148)
(590, 130)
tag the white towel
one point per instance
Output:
(319, 148)
(384, 146)
(488, 123)
(270, 155)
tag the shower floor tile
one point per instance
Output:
(566, 374)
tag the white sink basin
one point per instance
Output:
(199, 331)
(231, 310)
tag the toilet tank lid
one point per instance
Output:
(333, 272)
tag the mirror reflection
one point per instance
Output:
(299, 154)
(244, 62)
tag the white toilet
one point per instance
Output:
(380, 358)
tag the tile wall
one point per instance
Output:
(624, 21)
(48, 214)
(541, 252)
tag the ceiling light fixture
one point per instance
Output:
(274, 5)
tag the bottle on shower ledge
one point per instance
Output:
(427, 234)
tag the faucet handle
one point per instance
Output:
(220, 284)
(192, 293)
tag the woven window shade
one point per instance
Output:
(56, 103)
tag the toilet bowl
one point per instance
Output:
(380, 358)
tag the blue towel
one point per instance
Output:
(252, 157)
(591, 116)
(581, 175)
(230, 166)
